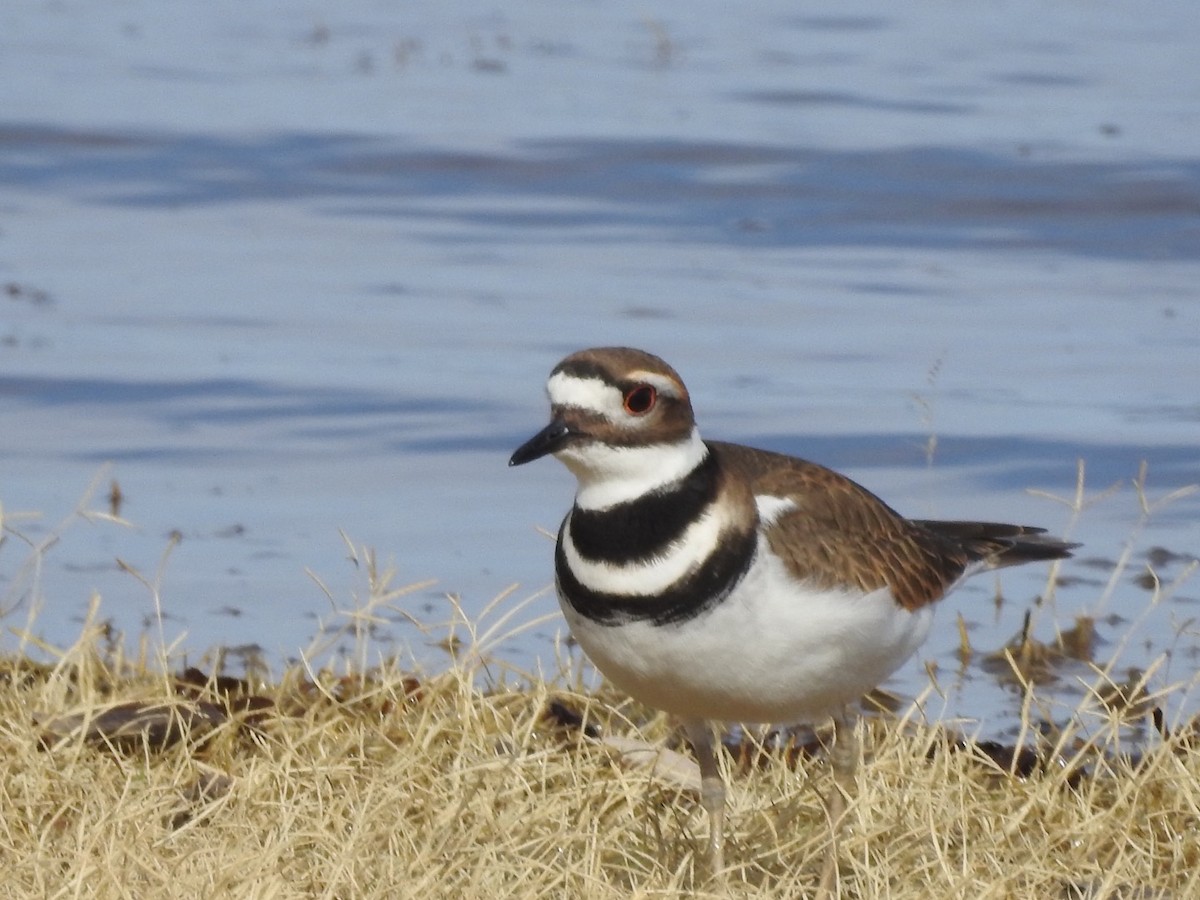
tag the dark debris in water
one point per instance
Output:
(1025, 660)
(22, 292)
(116, 497)
(1161, 557)
(1147, 580)
(1130, 698)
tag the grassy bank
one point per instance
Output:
(120, 781)
(134, 776)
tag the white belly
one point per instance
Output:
(773, 651)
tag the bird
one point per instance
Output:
(722, 583)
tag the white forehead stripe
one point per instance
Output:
(584, 393)
(597, 395)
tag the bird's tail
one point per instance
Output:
(996, 545)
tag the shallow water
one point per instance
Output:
(291, 276)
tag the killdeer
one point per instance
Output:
(719, 582)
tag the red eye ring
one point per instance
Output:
(640, 399)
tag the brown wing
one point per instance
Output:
(841, 534)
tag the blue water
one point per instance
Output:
(283, 280)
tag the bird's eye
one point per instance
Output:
(640, 399)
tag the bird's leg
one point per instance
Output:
(843, 759)
(712, 792)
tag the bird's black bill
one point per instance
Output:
(548, 440)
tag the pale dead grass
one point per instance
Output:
(369, 783)
(361, 787)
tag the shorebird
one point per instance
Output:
(719, 582)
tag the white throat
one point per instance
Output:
(610, 475)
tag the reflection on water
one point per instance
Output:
(761, 195)
(277, 333)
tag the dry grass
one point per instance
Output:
(379, 785)
(120, 780)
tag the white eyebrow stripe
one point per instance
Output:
(591, 394)
(661, 383)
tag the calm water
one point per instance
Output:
(282, 278)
